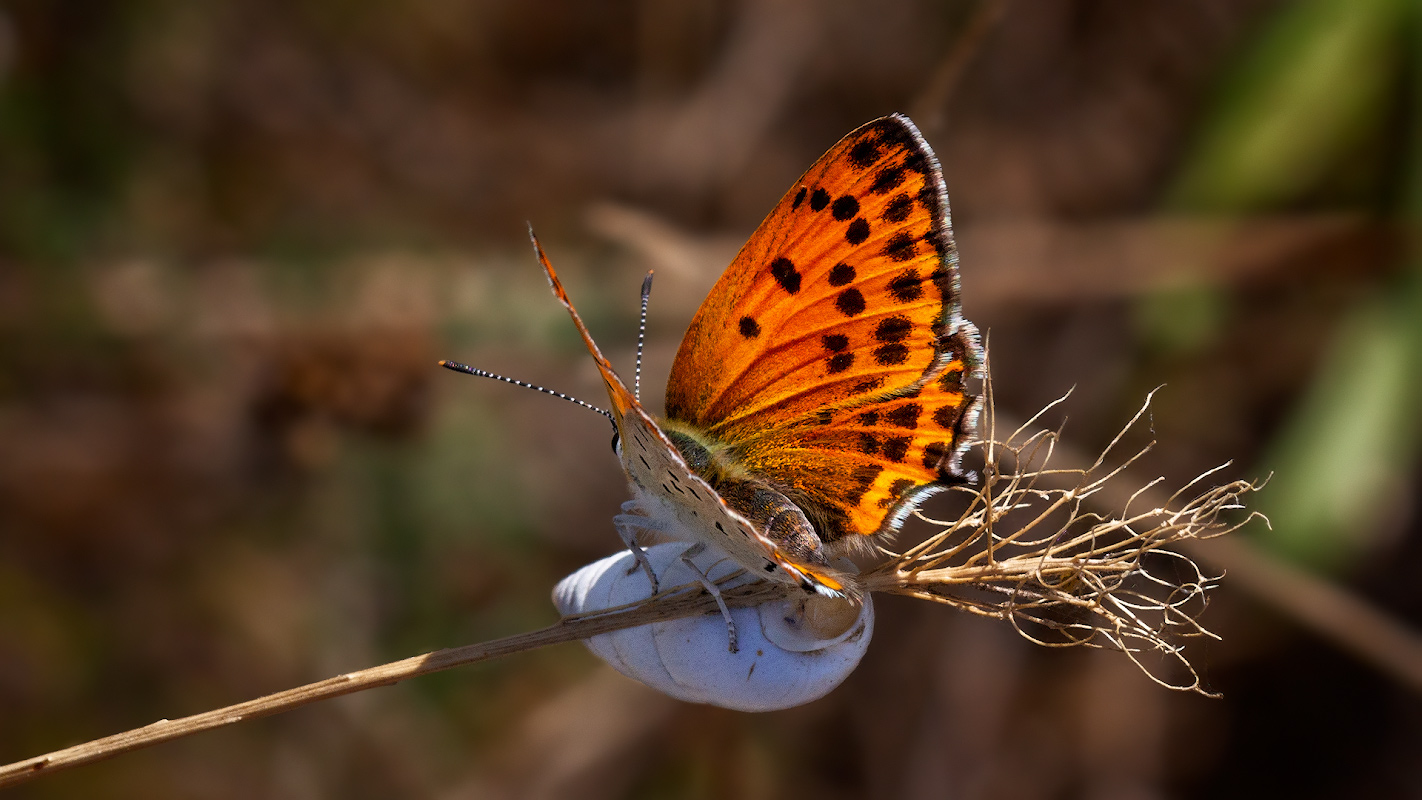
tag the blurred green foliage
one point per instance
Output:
(1319, 89)
(1315, 89)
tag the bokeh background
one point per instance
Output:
(235, 236)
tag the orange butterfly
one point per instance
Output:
(819, 394)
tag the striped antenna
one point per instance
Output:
(642, 335)
(465, 368)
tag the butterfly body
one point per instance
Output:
(759, 501)
(820, 393)
(687, 488)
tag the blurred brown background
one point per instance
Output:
(235, 237)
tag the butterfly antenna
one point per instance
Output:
(465, 368)
(642, 335)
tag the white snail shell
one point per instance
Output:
(790, 651)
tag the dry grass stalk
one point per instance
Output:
(1025, 550)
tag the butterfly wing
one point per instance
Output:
(667, 489)
(842, 306)
(862, 469)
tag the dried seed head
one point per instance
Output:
(1038, 546)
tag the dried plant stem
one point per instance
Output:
(930, 106)
(670, 604)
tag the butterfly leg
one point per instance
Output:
(627, 524)
(686, 558)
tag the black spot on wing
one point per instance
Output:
(895, 135)
(946, 417)
(749, 327)
(896, 490)
(835, 342)
(935, 454)
(850, 302)
(891, 354)
(918, 162)
(905, 416)
(785, 274)
(896, 448)
(799, 198)
(841, 275)
(931, 200)
(857, 231)
(935, 240)
(907, 286)
(861, 479)
(951, 380)
(819, 199)
(888, 179)
(897, 210)
(864, 153)
(869, 419)
(839, 362)
(844, 207)
(893, 329)
(901, 247)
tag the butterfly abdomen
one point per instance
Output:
(779, 519)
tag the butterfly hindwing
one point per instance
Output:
(862, 469)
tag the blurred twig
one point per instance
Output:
(1044, 261)
(588, 740)
(930, 105)
(708, 139)
(1035, 260)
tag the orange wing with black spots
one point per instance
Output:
(844, 293)
(861, 469)
(832, 354)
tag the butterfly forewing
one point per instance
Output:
(842, 295)
(832, 354)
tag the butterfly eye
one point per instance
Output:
(616, 438)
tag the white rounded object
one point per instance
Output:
(781, 662)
